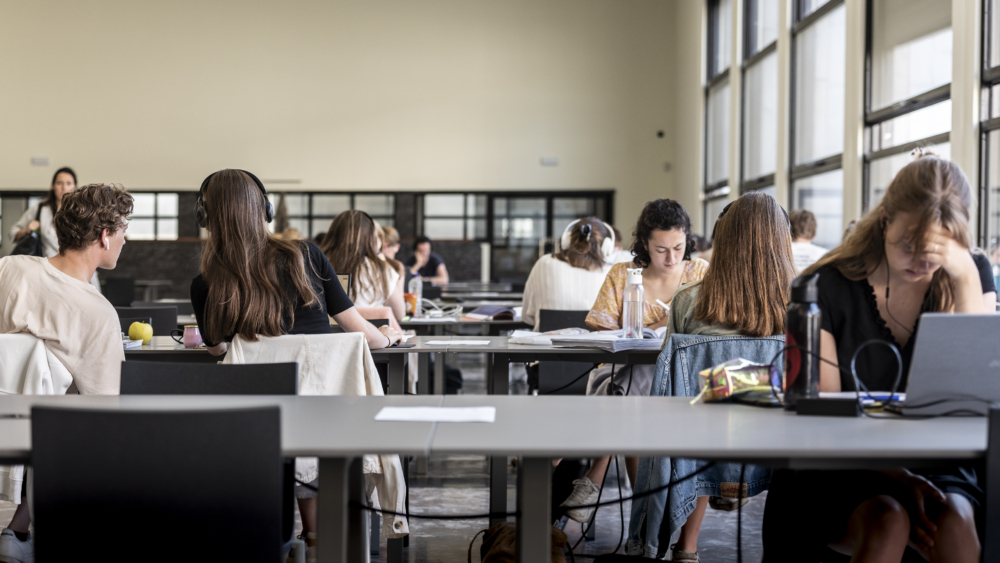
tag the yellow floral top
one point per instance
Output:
(606, 314)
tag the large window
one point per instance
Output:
(154, 217)
(760, 94)
(818, 66)
(454, 216)
(312, 213)
(717, 110)
(989, 189)
(908, 87)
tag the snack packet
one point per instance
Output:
(731, 378)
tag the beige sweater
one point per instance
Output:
(79, 326)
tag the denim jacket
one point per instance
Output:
(677, 368)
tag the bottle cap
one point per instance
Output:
(804, 289)
(634, 276)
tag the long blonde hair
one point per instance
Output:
(748, 282)
(350, 246)
(244, 266)
(936, 191)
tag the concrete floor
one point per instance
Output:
(458, 485)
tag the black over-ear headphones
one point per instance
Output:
(200, 206)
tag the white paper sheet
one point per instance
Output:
(458, 342)
(437, 414)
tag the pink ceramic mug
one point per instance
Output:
(191, 337)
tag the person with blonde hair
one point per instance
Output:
(910, 255)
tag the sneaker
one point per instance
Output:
(584, 492)
(13, 550)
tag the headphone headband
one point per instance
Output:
(607, 245)
(200, 207)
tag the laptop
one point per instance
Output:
(954, 356)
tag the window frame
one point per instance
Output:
(714, 78)
(750, 59)
(990, 74)
(310, 216)
(155, 217)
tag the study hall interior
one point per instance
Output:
(492, 139)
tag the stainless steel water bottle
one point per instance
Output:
(802, 326)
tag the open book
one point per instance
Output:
(612, 341)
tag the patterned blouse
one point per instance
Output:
(606, 314)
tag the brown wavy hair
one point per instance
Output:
(936, 191)
(245, 267)
(351, 245)
(803, 224)
(748, 282)
(87, 211)
(584, 250)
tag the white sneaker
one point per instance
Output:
(584, 492)
(13, 550)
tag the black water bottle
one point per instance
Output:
(802, 326)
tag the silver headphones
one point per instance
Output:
(607, 245)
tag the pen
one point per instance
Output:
(662, 304)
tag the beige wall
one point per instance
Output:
(442, 94)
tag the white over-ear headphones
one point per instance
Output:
(607, 245)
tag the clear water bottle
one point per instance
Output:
(632, 304)
(417, 288)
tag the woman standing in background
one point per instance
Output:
(38, 217)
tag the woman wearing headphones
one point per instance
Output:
(253, 283)
(352, 245)
(662, 246)
(917, 244)
(570, 279)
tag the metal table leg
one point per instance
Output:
(397, 374)
(991, 543)
(534, 489)
(439, 373)
(341, 533)
(497, 384)
(423, 374)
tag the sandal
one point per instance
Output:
(681, 556)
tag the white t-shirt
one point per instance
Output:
(79, 326)
(554, 284)
(367, 294)
(50, 239)
(806, 253)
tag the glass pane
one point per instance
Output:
(911, 48)
(376, 204)
(762, 24)
(809, 6)
(526, 228)
(918, 125)
(718, 134)
(760, 118)
(576, 207)
(297, 204)
(883, 170)
(994, 23)
(526, 206)
(166, 205)
(385, 221)
(141, 229)
(713, 207)
(318, 227)
(823, 194)
(302, 226)
(143, 205)
(819, 88)
(500, 206)
(444, 205)
(720, 18)
(475, 205)
(166, 229)
(476, 228)
(514, 263)
(444, 229)
(330, 205)
(769, 190)
(993, 200)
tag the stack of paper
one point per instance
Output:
(612, 341)
(543, 338)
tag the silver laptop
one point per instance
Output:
(954, 357)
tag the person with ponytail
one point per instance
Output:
(570, 279)
(909, 255)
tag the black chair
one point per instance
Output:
(183, 307)
(165, 378)
(144, 473)
(553, 375)
(431, 292)
(119, 291)
(126, 322)
(164, 318)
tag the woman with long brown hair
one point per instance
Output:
(352, 245)
(911, 254)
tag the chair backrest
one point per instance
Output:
(119, 291)
(183, 307)
(431, 292)
(164, 318)
(684, 355)
(126, 322)
(555, 319)
(142, 473)
(163, 378)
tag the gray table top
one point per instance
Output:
(310, 426)
(160, 344)
(501, 344)
(580, 426)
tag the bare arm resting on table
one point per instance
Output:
(352, 321)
